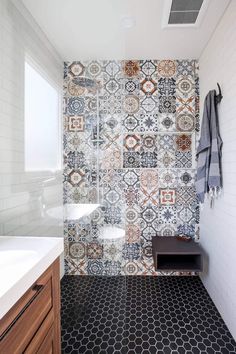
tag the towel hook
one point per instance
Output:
(219, 96)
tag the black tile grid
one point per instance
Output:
(141, 314)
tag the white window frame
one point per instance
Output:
(38, 68)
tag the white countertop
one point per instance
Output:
(22, 261)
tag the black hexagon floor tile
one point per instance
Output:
(146, 315)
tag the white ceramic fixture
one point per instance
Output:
(22, 261)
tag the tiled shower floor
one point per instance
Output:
(135, 314)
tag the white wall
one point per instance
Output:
(218, 225)
(23, 194)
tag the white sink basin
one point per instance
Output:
(22, 261)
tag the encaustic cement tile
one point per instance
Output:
(137, 121)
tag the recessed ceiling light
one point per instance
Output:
(128, 22)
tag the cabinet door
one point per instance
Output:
(24, 328)
(47, 346)
(46, 340)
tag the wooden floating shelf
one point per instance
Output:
(171, 254)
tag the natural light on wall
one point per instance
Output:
(42, 122)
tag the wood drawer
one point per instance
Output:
(44, 338)
(20, 324)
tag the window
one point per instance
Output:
(42, 122)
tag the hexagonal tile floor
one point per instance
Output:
(134, 314)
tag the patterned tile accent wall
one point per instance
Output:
(129, 144)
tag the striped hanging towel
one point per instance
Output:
(209, 174)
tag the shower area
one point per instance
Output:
(129, 162)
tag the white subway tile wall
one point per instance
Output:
(30, 204)
(218, 225)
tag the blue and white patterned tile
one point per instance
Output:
(149, 142)
(186, 196)
(77, 250)
(112, 68)
(168, 230)
(131, 251)
(167, 104)
(166, 142)
(167, 87)
(146, 247)
(168, 178)
(94, 69)
(148, 121)
(183, 159)
(131, 123)
(75, 159)
(75, 106)
(130, 86)
(168, 215)
(166, 122)
(148, 68)
(131, 160)
(111, 159)
(113, 215)
(185, 86)
(97, 217)
(166, 159)
(113, 250)
(111, 268)
(130, 104)
(149, 105)
(132, 215)
(111, 104)
(186, 229)
(131, 196)
(186, 67)
(150, 214)
(95, 267)
(112, 123)
(149, 159)
(131, 177)
(186, 177)
(131, 268)
(186, 214)
(70, 231)
(185, 122)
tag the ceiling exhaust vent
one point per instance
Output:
(184, 13)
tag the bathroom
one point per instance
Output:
(110, 239)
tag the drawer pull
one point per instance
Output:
(37, 288)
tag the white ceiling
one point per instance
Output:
(91, 29)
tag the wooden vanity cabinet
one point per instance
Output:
(33, 323)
